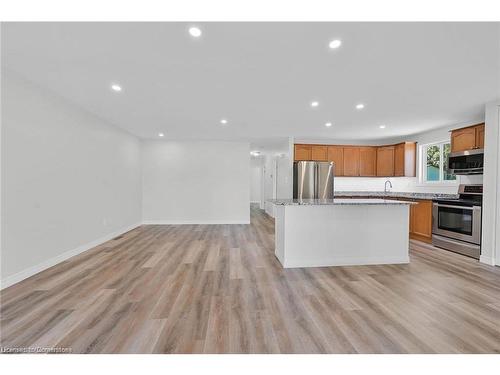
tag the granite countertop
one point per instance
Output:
(396, 194)
(336, 201)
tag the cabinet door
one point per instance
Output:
(303, 152)
(351, 161)
(421, 220)
(463, 139)
(319, 153)
(480, 136)
(385, 161)
(336, 154)
(367, 161)
(399, 160)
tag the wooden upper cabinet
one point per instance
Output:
(463, 139)
(367, 161)
(469, 138)
(480, 136)
(319, 153)
(303, 152)
(421, 220)
(385, 161)
(398, 160)
(351, 161)
(336, 154)
(405, 159)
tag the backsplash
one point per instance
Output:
(400, 184)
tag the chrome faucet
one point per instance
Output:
(385, 186)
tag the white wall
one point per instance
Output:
(278, 173)
(69, 180)
(269, 182)
(196, 182)
(284, 188)
(490, 242)
(284, 166)
(255, 179)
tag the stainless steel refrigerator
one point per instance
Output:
(313, 180)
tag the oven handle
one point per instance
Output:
(450, 206)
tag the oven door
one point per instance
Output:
(459, 222)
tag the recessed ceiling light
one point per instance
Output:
(314, 104)
(195, 31)
(223, 121)
(336, 43)
(255, 153)
(382, 126)
(161, 135)
(116, 87)
(328, 124)
(360, 106)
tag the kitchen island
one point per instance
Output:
(338, 232)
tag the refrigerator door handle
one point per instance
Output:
(316, 181)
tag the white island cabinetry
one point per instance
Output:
(338, 232)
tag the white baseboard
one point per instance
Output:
(348, 261)
(193, 222)
(24, 274)
(487, 260)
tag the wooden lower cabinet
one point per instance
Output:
(421, 220)
(420, 215)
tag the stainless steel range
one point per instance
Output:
(456, 223)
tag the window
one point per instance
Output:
(434, 163)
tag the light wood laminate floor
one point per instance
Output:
(219, 289)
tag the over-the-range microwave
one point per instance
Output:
(466, 162)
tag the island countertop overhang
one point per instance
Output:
(338, 201)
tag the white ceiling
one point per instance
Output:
(262, 76)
